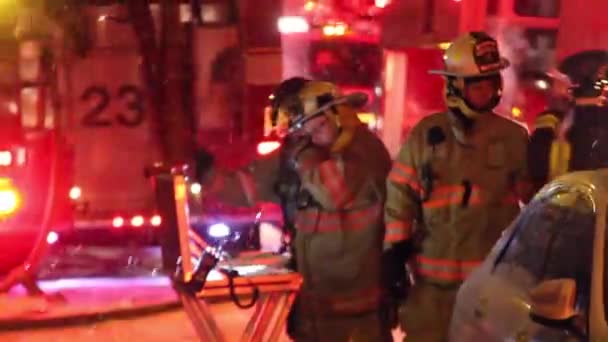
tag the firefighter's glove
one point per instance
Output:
(395, 280)
(389, 312)
(395, 276)
(204, 161)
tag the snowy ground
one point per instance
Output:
(116, 277)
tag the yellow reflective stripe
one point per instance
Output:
(547, 121)
(397, 231)
(559, 158)
(445, 269)
(402, 174)
(333, 180)
(448, 195)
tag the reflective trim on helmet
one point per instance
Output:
(471, 55)
(357, 99)
(504, 63)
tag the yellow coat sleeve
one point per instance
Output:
(404, 192)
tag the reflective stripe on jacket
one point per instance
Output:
(457, 195)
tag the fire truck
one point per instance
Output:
(35, 158)
(77, 133)
(385, 48)
(330, 41)
(108, 123)
(526, 32)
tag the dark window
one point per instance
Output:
(259, 27)
(537, 8)
(539, 51)
(541, 38)
(551, 239)
(492, 8)
(346, 63)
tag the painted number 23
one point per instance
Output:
(97, 116)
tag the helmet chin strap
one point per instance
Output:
(465, 113)
(466, 121)
(457, 102)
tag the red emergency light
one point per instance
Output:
(75, 193)
(292, 24)
(10, 198)
(267, 147)
(6, 158)
(382, 3)
(156, 220)
(137, 221)
(337, 29)
(118, 222)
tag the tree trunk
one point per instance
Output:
(180, 133)
(162, 69)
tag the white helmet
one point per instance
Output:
(471, 56)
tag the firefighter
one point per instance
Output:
(550, 127)
(454, 186)
(577, 140)
(342, 169)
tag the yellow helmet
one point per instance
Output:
(310, 100)
(472, 56)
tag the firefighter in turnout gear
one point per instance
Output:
(548, 139)
(342, 169)
(573, 137)
(455, 185)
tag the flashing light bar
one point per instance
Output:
(516, 112)
(6, 158)
(137, 221)
(291, 24)
(219, 230)
(10, 201)
(310, 5)
(52, 237)
(196, 188)
(444, 45)
(14, 156)
(382, 3)
(338, 29)
(541, 84)
(367, 118)
(75, 193)
(118, 222)
(10, 198)
(156, 220)
(267, 147)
